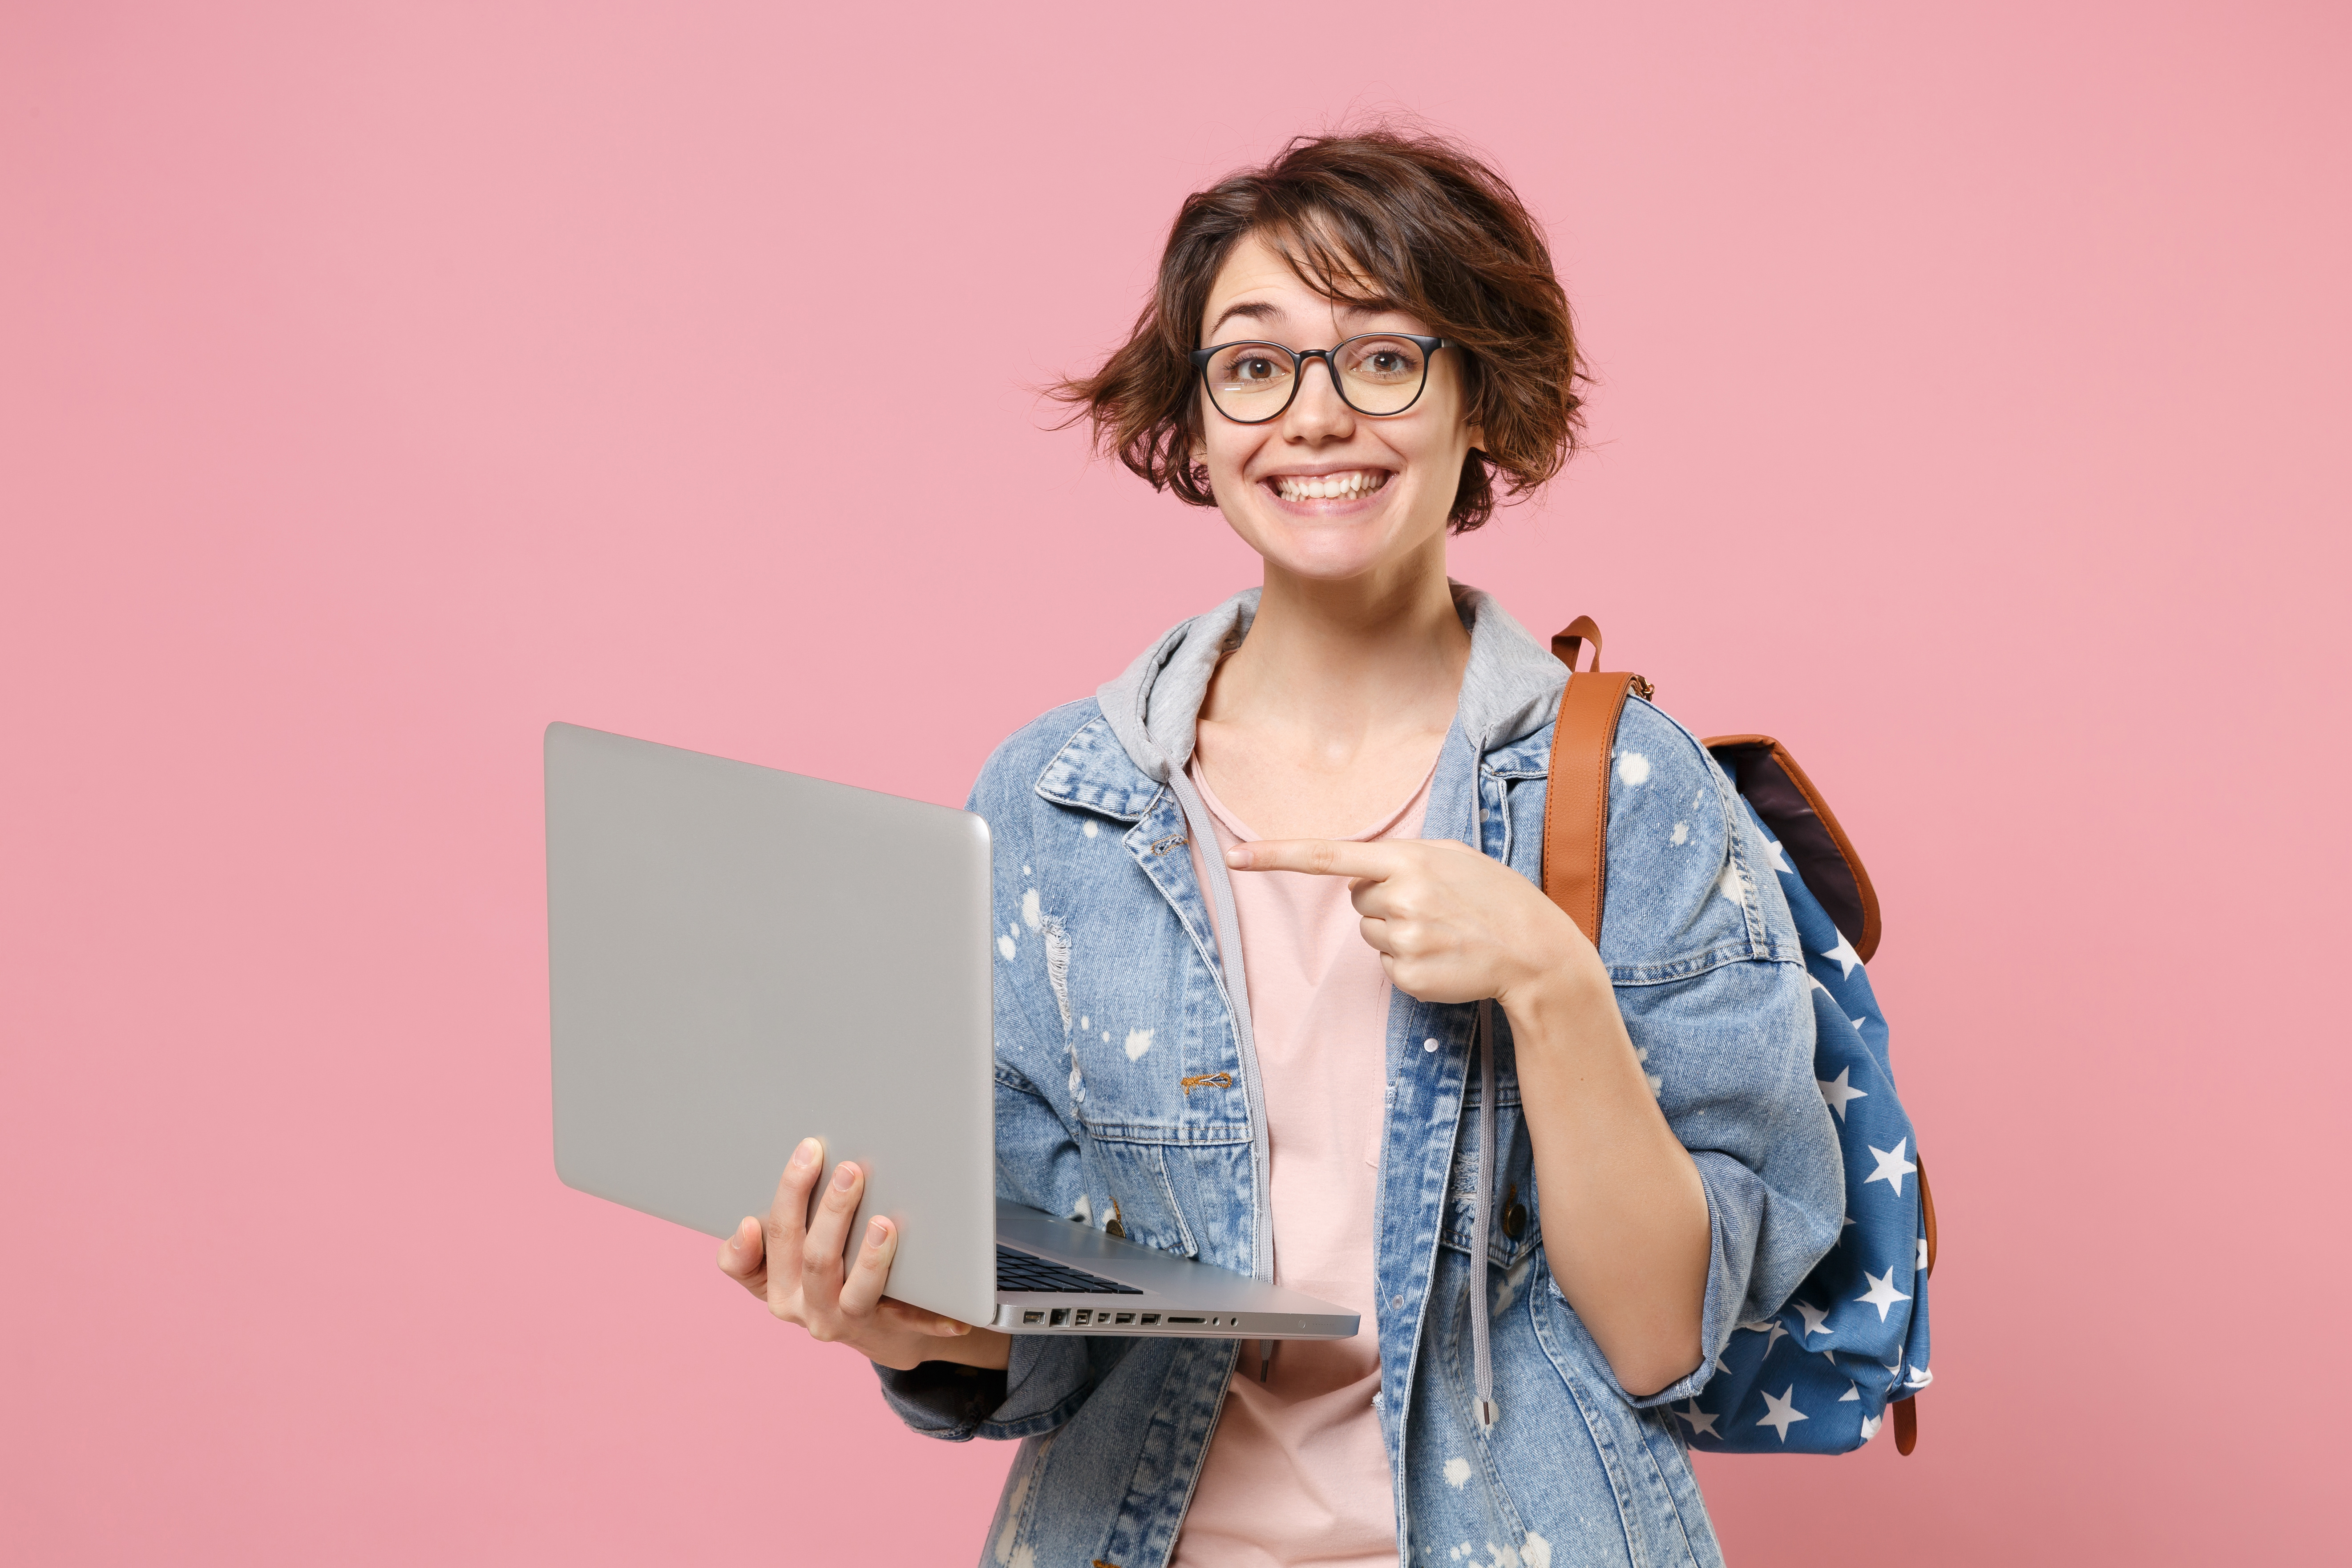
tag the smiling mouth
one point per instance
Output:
(1348, 486)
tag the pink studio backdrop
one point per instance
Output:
(378, 383)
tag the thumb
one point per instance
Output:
(740, 1256)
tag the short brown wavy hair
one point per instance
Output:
(1381, 218)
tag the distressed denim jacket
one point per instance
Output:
(1111, 998)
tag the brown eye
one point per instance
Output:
(1250, 379)
(1383, 360)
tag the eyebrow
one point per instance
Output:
(1262, 310)
(1251, 310)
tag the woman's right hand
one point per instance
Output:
(799, 1265)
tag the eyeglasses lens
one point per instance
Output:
(1376, 375)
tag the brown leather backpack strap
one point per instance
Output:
(1927, 1213)
(1569, 641)
(1576, 798)
(1907, 1411)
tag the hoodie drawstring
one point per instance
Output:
(1482, 1362)
(1229, 957)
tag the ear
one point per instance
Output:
(1477, 434)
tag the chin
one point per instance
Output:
(1333, 550)
(1329, 561)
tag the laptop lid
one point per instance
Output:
(740, 957)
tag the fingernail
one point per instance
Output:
(1238, 860)
(845, 1175)
(806, 1152)
(949, 1326)
(877, 1231)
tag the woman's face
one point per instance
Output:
(1391, 480)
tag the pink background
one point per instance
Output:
(379, 382)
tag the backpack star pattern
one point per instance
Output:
(1816, 1377)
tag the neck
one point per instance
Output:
(1344, 660)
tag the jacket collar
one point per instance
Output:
(1116, 764)
(1091, 772)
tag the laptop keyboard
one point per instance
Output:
(1022, 1271)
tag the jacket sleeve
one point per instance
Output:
(1037, 1159)
(1712, 984)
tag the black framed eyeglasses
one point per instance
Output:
(1376, 373)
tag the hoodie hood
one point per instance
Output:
(1510, 688)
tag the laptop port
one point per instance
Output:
(1061, 1315)
(1173, 1318)
(1125, 1317)
(1150, 1319)
(1083, 1319)
(1032, 1317)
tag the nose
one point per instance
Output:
(1318, 414)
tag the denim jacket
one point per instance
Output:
(1111, 997)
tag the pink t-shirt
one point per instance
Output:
(1297, 1473)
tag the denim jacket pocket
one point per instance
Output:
(1512, 1230)
(1131, 1168)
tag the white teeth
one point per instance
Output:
(1327, 486)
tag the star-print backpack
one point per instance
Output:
(1817, 1377)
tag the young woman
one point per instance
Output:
(1253, 894)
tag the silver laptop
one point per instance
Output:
(740, 958)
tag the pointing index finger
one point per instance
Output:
(1315, 857)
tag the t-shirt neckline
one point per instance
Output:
(1243, 833)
